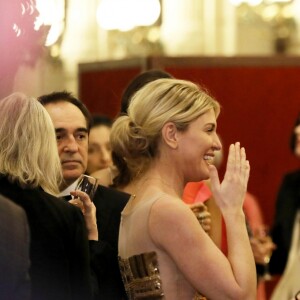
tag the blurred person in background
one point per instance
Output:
(99, 153)
(285, 232)
(105, 176)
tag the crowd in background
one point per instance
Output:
(135, 239)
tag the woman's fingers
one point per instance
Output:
(198, 207)
(82, 200)
(248, 170)
(231, 159)
(238, 159)
(77, 202)
(203, 216)
(204, 219)
(81, 195)
(214, 178)
(245, 166)
(237, 162)
(229, 194)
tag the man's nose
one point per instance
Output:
(71, 145)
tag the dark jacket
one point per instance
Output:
(59, 250)
(109, 205)
(14, 252)
(288, 201)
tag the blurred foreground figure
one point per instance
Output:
(30, 172)
(14, 252)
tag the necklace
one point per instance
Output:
(140, 186)
(147, 179)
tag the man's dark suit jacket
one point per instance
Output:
(288, 202)
(14, 252)
(59, 249)
(109, 204)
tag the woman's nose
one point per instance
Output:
(106, 156)
(217, 143)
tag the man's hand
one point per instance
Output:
(83, 201)
(202, 215)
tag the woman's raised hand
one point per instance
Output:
(230, 193)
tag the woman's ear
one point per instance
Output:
(170, 135)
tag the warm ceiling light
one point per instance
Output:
(124, 15)
(249, 2)
(258, 2)
(52, 14)
(278, 1)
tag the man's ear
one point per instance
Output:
(170, 135)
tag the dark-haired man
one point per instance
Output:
(72, 123)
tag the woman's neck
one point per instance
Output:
(159, 180)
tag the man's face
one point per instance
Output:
(72, 139)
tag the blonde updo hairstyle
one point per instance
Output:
(135, 137)
(28, 152)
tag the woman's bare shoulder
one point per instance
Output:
(169, 209)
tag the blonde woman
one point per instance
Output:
(30, 172)
(168, 139)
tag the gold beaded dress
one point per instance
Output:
(148, 272)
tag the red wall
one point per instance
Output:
(102, 91)
(259, 98)
(259, 107)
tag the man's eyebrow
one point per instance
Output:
(81, 129)
(59, 130)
